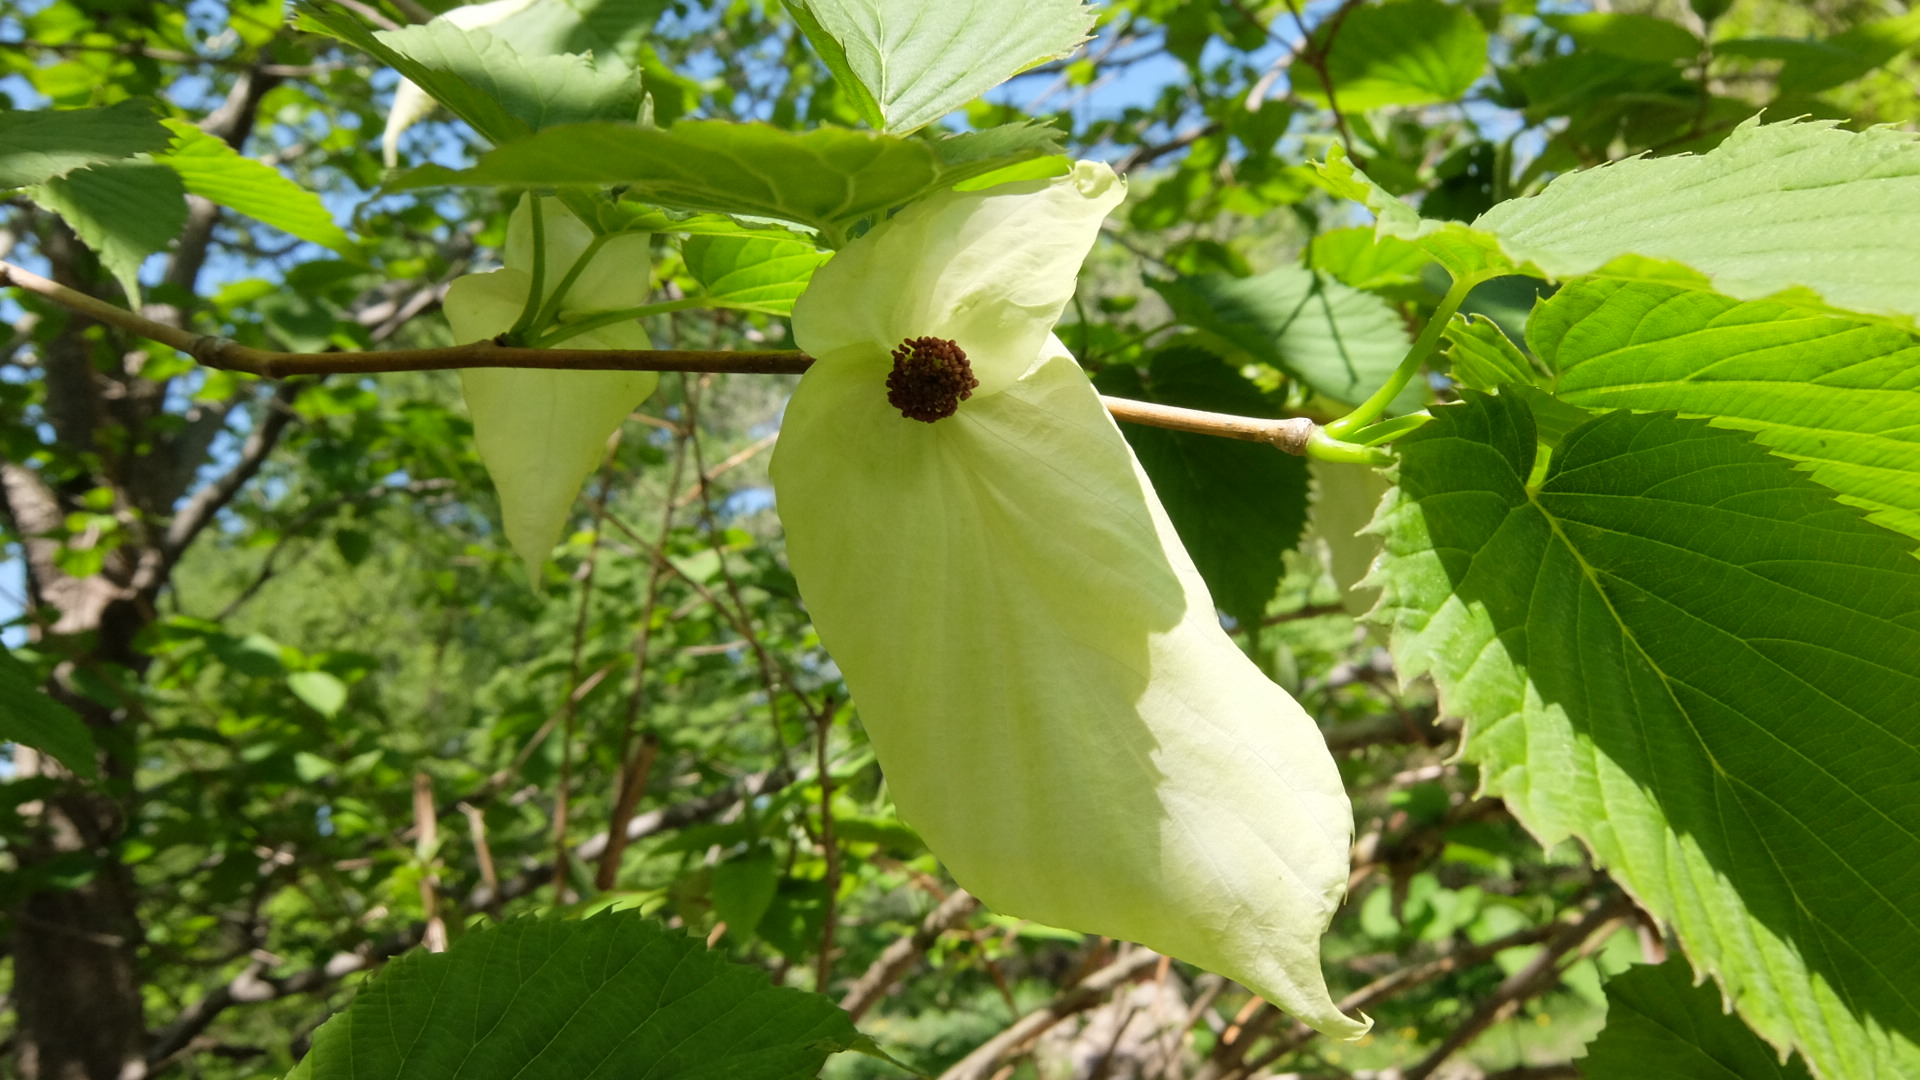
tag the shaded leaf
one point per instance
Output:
(616, 995)
(825, 179)
(486, 80)
(907, 65)
(39, 145)
(1338, 341)
(1482, 356)
(1660, 1024)
(1682, 650)
(1238, 506)
(322, 691)
(31, 718)
(1628, 36)
(743, 889)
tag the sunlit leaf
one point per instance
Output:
(1840, 394)
(907, 65)
(124, 212)
(1684, 651)
(213, 170)
(759, 271)
(1396, 52)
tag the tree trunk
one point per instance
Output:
(76, 939)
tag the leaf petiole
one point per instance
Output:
(1326, 448)
(567, 330)
(1371, 409)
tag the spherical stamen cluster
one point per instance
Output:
(930, 378)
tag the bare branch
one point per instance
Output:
(198, 513)
(895, 960)
(988, 1057)
(1292, 435)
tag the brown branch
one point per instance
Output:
(985, 1059)
(895, 959)
(1539, 974)
(252, 986)
(209, 500)
(227, 355)
(1290, 435)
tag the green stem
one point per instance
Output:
(1319, 445)
(530, 311)
(550, 310)
(1388, 430)
(608, 318)
(1371, 409)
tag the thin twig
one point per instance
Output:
(562, 800)
(228, 355)
(981, 1064)
(635, 768)
(895, 959)
(829, 847)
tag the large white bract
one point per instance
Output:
(541, 433)
(1038, 664)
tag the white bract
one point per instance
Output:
(541, 433)
(1038, 664)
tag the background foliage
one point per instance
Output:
(337, 726)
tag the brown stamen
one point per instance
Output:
(930, 378)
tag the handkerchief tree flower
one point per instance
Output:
(1039, 666)
(541, 433)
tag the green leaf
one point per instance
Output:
(485, 79)
(1840, 394)
(1682, 650)
(1815, 65)
(31, 718)
(1482, 356)
(1238, 506)
(743, 889)
(760, 271)
(1660, 1024)
(609, 29)
(1397, 52)
(825, 179)
(1462, 250)
(322, 691)
(1630, 37)
(1804, 212)
(213, 170)
(43, 144)
(1359, 257)
(612, 996)
(124, 212)
(1338, 341)
(909, 65)
(1345, 497)
(1774, 208)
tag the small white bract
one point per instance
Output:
(541, 433)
